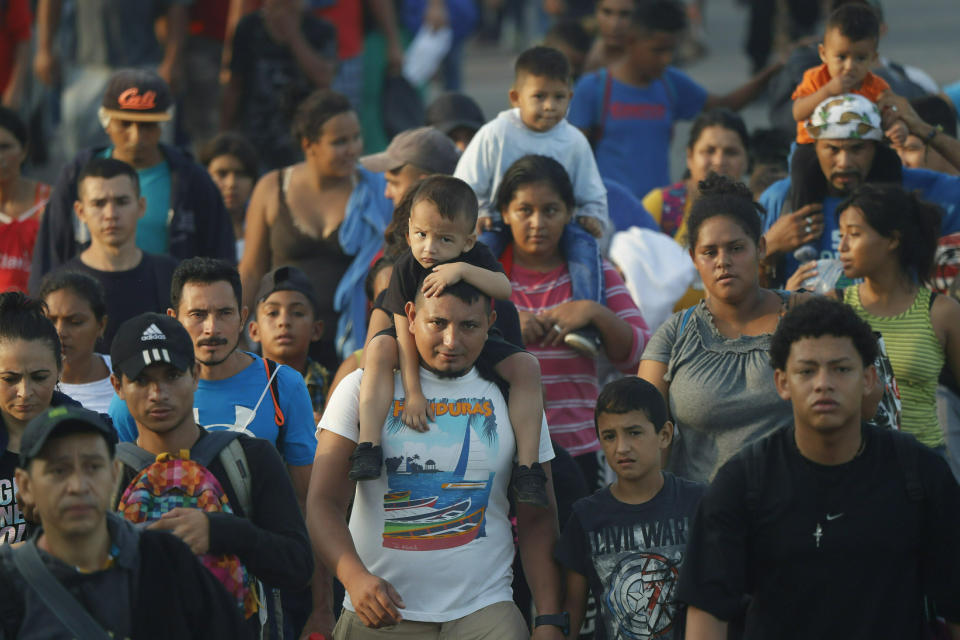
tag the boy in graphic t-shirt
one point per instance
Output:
(626, 542)
(848, 51)
(444, 251)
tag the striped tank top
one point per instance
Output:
(917, 358)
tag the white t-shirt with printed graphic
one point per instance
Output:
(434, 525)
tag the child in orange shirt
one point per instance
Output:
(848, 51)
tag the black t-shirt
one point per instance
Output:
(408, 275)
(13, 528)
(826, 551)
(145, 288)
(273, 84)
(631, 555)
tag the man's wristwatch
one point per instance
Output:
(561, 620)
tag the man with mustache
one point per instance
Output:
(849, 144)
(110, 203)
(234, 391)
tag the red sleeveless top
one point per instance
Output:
(17, 237)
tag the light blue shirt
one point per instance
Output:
(231, 403)
(152, 235)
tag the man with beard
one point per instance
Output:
(848, 139)
(234, 390)
(428, 547)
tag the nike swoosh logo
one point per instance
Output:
(833, 516)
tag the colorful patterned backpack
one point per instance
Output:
(166, 482)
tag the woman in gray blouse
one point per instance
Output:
(710, 361)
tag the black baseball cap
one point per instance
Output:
(150, 338)
(453, 110)
(138, 95)
(55, 419)
(287, 279)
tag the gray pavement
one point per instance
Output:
(922, 33)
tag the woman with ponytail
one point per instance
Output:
(888, 238)
(30, 366)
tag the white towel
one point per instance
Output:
(657, 271)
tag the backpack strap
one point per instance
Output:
(671, 90)
(597, 133)
(55, 596)
(226, 447)
(273, 377)
(134, 457)
(685, 318)
(234, 462)
(210, 445)
(908, 457)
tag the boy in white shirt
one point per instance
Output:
(537, 124)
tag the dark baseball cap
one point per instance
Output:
(55, 419)
(287, 279)
(150, 338)
(138, 95)
(454, 110)
(427, 148)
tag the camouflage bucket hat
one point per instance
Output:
(845, 117)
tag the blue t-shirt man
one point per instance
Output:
(637, 124)
(232, 403)
(938, 188)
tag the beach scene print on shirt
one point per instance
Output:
(439, 486)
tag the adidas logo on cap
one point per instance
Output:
(152, 333)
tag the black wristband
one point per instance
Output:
(561, 620)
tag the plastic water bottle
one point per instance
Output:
(828, 273)
(806, 253)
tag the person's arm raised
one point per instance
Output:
(375, 600)
(745, 93)
(942, 143)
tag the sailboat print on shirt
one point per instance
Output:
(439, 484)
(472, 470)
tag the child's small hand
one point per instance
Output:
(484, 223)
(442, 276)
(593, 226)
(415, 412)
(897, 133)
(841, 84)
